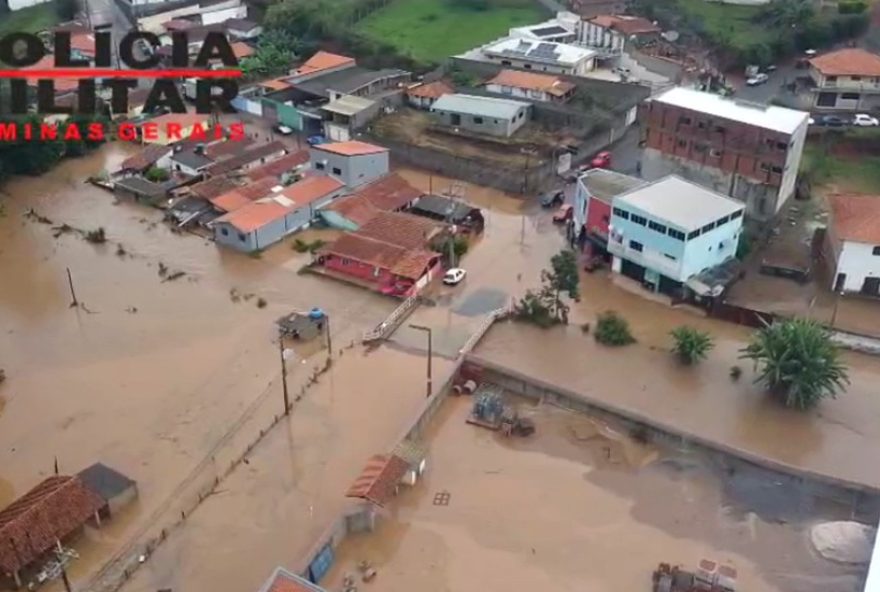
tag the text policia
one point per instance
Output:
(215, 88)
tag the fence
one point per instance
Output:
(397, 316)
(741, 315)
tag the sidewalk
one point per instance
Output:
(838, 441)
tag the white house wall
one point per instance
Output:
(858, 262)
(792, 165)
(19, 4)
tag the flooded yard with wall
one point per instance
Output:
(579, 505)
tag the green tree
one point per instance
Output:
(157, 175)
(612, 329)
(562, 278)
(797, 361)
(690, 345)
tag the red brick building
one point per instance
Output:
(748, 151)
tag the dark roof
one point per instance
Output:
(224, 148)
(104, 481)
(145, 158)
(140, 186)
(554, 30)
(51, 511)
(345, 81)
(441, 205)
(192, 159)
(240, 24)
(247, 157)
(276, 168)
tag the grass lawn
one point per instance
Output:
(859, 173)
(728, 21)
(29, 20)
(432, 30)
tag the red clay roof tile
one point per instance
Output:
(851, 61)
(379, 479)
(856, 217)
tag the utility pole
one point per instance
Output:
(60, 554)
(283, 373)
(329, 343)
(451, 251)
(430, 355)
(73, 302)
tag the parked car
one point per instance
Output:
(601, 160)
(865, 120)
(315, 140)
(830, 121)
(454, 276)
(757, 79)
(283, 130)
(563, 214)
(552, 198)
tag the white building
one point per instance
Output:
(530, 85)
(854, 243)
(609, 33)
(560, 29)
(538, 56)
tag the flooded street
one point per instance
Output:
(570, 508)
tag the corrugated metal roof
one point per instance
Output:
(480, 106)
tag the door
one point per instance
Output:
(321, 564)
(454, 119)
(839, 282)
(871, 287)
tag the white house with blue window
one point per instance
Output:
(666, 232)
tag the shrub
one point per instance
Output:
(612, 329)
(96, 236)
(735, 372)
(157, 175)
(690, 345)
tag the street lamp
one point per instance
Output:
(428, 331)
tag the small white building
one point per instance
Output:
(529, 85)
(609, 33)
(853, 243)
(560, 29)
(539, 56)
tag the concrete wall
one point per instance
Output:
(792, 165)
(519, 93)
(857, 261)
(351, 170)
(265, 236)
(579, 68)
(592, 35)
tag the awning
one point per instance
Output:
(379, 479)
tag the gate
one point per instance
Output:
(321, 564)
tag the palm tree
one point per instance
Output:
(798, 362)
(690, 345)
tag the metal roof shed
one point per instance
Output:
(113, 487)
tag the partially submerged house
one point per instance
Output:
(481, 115)
(379, 479)
(453, 211)
(154, 155)
(391, 193)
(113, 487)
(142, 190)
(295, 162)
(248, 158)
(354, 163)
(244, 195)
(54, 510)
(347, 114)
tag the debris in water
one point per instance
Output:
(32, 214)
(120, 250)
(174, 276)
(131, 309)
(96, 236)
(163, 269)
(59, 230)
(234, 295)
(261, 303)
(2, 375)
(844, 542)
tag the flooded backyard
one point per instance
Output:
(577, 506)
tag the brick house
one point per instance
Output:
(846, 80)
(746, 150)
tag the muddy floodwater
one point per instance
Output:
(577, 506)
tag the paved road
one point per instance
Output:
(766, 92)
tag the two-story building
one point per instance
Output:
(664, 233)
(354, 163)
(594, 193)
(531, 85)
(746, 150)
(853, 243)
(608, 34)
(846, 80)
(540, 56)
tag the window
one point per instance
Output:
(454, 119)
(224, 231)
(668, 256)
(346, 261)
(707, 227)
(319, 166)
(719, 129)
(605, 219)
(849, 96)
(701, 124)
(781, 146)
(777, 170)
(657, 226)
(715, 153)
(736, 215)
(676, 234)
(875, 251)
(700, 148)
(337, 171)
(638, 219)
(694, 234)
(830, 79)
(505, 62)
(521, 113)
(855, 78)
(478, 120)
(722, 220)
(765, 167)
(621, 213)
(635, 246)
(682, 143)
(242, 237)
(527, 66)
(684, 120)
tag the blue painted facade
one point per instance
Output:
(270, 233)
(338, 221)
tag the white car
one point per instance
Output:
(283, 130)
(454, 276)
(757, 79)
(865, 120)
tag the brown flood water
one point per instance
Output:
(575, 507)
(149, 374)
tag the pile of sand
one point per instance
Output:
(844, 542)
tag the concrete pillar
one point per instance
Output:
(97, 519)
(16, 578)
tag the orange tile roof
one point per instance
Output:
(258, 213)
(145, 158)
(84, 43)
(323, 60)
(311, 189)
(406, 263)
(404, 230)
(628, 25)
(350, 148)
(390, 193)
(242, 196)
(532, 81)
(856, 217)
(379, 479)
(275, 84)
(431, 90)
(61, 84)
(851, 61)
(414, 264)
(276, 168)
(184, 120)
(242, 50)
(212, 187)
(51, 511)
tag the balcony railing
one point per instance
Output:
(851, 86)
(648, 259)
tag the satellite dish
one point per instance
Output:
(671, 36)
